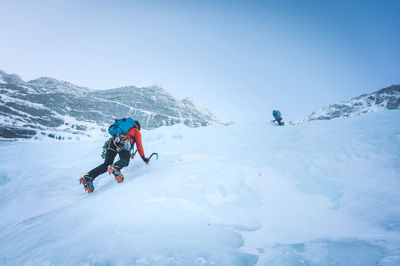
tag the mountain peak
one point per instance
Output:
(386, 98)
(10, 78)
(47, 84)
(51, 107)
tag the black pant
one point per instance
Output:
(279, 119)
(124, 157)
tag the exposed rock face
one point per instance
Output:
(49, 107)
(387, 98)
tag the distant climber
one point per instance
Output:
(278, 118)
(125, 133)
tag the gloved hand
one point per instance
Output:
(146, 160)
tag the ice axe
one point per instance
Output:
(133, 154)
(154, 153)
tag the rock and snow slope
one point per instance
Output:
(317, 193)
(383, 99)
(47, 107)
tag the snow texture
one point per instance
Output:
(317, 193)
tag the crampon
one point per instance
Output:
(116, 172)
(87, 183)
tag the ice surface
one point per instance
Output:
(318, 193)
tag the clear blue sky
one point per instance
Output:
(242, 59)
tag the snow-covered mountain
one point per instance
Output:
(387, 98)
(318, 193)
(59, 109)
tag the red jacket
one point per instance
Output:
(135, 137)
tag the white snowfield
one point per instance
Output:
(318, 193)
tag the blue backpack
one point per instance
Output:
(276, 113)
(121, 126)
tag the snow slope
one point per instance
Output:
(317, 193)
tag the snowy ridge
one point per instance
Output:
(387, 98)
(294, 195)
(45, 107)
(51, 85)
(10, 78)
